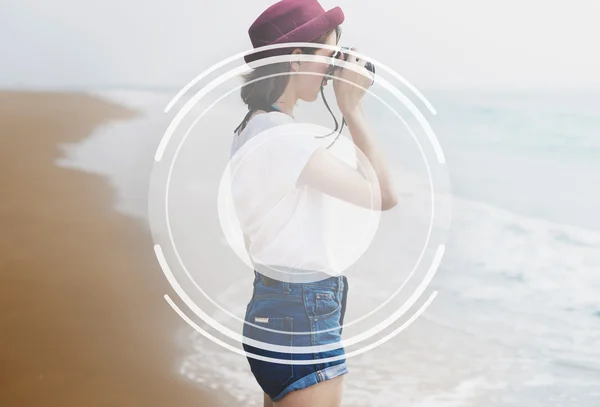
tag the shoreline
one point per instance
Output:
(83, 318)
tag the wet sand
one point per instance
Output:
(83, 321)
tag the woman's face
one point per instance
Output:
(307, 87)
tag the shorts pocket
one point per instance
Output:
(321, 302)
(323, 306)
(272, 377)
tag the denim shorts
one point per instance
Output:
(308, 314)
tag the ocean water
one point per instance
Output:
(516, 319)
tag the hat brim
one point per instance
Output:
(306, 32)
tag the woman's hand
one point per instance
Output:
(349, 94)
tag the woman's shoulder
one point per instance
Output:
(259, 123)
(262, 119)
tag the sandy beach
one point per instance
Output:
(83, 321)
(82, 317)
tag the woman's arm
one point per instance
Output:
(330, 175)
(364, 141)
(327, 173)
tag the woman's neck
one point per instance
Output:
(287, 101)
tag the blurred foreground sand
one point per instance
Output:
(82, 318)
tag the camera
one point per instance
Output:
(344, 56)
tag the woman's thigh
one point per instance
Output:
(324, 394)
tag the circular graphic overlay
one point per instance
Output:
(348, 229)
(303, 234)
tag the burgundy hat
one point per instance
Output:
(291, 21)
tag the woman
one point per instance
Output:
(278, 198)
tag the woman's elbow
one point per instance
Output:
(389, 201)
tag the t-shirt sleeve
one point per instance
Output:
(292, 154)
(267, 167)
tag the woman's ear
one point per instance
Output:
(295, 65)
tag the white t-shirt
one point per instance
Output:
(284, 223)
(289, 225)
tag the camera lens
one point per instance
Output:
(368, 66)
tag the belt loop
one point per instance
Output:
(256, 277)
(285, 284)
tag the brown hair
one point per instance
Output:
(264, 92)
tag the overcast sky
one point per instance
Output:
(433, 43)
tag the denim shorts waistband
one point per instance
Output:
(261, 278)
